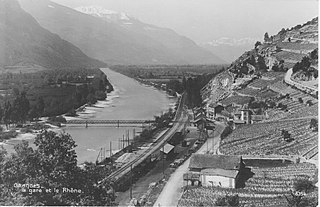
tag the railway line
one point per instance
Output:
(180, 119)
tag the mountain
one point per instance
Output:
(128, 41)
(25, 43)
(229, 48)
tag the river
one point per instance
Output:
(130, 100)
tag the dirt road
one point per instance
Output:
(173, 190)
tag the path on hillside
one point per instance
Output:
(287, 79)
(173, 190)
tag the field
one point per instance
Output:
(265, 139)
(266, 187)
(289, 56)
(260, 83)
(241, 100)
(297, 46)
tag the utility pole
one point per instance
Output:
(110, 149)
(123, 141)
(163, 159)
(131, 182)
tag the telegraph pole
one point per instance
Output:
(110, 149)
(163, 159)
(131, 182)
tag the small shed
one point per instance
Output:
(168, 151)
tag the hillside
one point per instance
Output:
(268, 98)
(25, 43)
(277, 83)
(281, 51)
(117, 42)
(278, 53)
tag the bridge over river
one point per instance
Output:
(117, 123)
(120, 176)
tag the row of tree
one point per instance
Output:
(17, 111)
(20, 109)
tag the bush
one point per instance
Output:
(8, 135)
(304, 186)
(59, 119)
(226, 132)
(26, 130)
(38, 126)
(232, 200)
(100, 95)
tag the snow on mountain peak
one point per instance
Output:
(99, 11)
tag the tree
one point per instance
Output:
(228, 200)
(40, 106)
(257, 44)
(20, 108)
(52, 165)
(184, 82)
(7, 113)
(314, 124)
(1, 114)
(304, 185)
(91, 99)
(314, 54)
(298, 199)
(266, 37)
(261, 63)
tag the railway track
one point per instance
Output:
(179, 120)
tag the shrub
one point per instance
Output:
(226, 132)
(100, 95)
(58, 119)
(232, 200)
(26, 130)
(304, 186)
(8, 135)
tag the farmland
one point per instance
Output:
(266, 187)
(265, 138)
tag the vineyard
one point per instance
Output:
(248, 91)
(273, 75)
(260, 83)
(240, 100)
(297, 46)
(266, 187)
(289, 56)
(266, 138)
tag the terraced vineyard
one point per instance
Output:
(265, 139)
(289, 56)
(260, 83)
(266, 187)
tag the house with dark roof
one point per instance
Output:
(216, 170)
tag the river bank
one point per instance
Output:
(130, 100)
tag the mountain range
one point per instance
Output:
(24, 42)
(229, 49)
(116, 38)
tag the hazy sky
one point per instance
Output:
(206, 20)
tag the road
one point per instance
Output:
(287, 79)
(173, 189)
